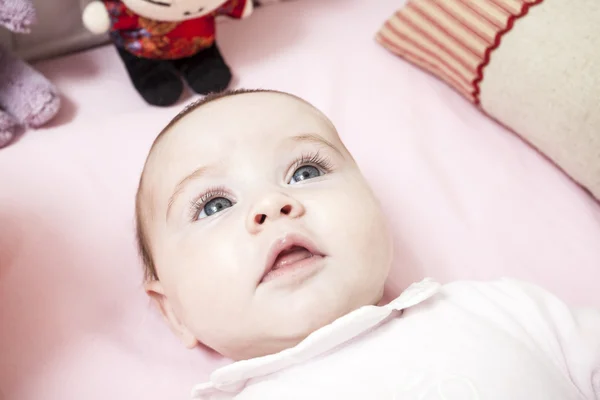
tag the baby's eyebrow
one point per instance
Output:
(312, 138)
(181, 185)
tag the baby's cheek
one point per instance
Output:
(208, 300)
(214, 275)
(354, 222)
(353, 207)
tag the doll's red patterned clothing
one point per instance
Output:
(162, 40)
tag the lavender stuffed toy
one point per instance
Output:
(27, 98)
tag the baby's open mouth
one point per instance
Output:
(289, 255)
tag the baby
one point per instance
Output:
(262, 240)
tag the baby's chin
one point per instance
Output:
(291, 335)
(263, 349)
(384, 298)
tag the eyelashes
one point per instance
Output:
(315, 159)
(198, 203)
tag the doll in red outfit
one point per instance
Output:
(161, 41)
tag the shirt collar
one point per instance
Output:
(232, 378)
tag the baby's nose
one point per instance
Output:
(272, 207)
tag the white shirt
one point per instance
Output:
(503, 340)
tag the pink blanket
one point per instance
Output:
(466, 199)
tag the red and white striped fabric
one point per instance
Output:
(532, 65)
(452, 39)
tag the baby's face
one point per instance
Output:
(261, 225)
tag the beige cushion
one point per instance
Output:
(533, 65)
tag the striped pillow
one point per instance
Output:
(533, 65)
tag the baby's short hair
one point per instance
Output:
(144, 250)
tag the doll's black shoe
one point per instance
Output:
(205, 72)
(155, 80)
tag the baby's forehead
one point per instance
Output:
(261, 105)
(264, 116)
(243, 120)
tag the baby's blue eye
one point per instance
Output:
(304, 173)
(214, 206)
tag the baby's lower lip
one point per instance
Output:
(293, 267)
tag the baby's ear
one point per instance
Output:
(156, 292)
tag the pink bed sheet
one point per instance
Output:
(466, 199)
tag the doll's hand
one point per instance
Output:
(96, 18)
(17, 16)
